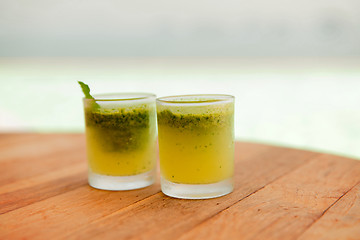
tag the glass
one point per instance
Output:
(196, 145)
(121, 140)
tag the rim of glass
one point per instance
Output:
(211, 98)
(117, 96)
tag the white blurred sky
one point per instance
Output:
(179, 28)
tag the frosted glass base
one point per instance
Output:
(115, 183)
(196, 191)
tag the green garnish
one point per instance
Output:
(86, 90)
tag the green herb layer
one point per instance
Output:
(194, 121)
(120, 130)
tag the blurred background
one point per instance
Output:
(293, 66)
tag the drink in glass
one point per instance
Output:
(196, 145)
(121, 138)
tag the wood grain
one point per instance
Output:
(340, 221)
(280, 193)
(176, 216)
(93, 200)
(289, 205)
(36, 155)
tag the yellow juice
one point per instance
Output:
(121, 141)
(196, 147)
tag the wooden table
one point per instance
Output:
(280, 193)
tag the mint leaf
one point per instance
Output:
(86, 90)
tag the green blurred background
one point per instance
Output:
(294, 67)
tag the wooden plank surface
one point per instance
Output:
(280, 193)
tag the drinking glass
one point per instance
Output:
(196, 145)
(121, 140)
